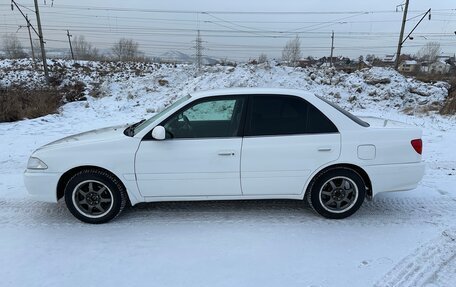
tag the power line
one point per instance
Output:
(39, 32)
(142, 10)
(217, 32)
(152, 32)
(270, 21)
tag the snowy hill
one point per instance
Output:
(182, 58)
(368, 89)
(175, 57)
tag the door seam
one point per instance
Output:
(240, 166)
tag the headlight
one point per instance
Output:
(36, 163)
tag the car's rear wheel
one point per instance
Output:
(337, 193)
(95, 196)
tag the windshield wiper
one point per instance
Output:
(130, 131)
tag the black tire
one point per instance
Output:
(95, 196)
(337, 193)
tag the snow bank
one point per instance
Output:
(149, 87)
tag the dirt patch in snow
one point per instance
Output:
(17, 102)
(449, 106)
(23, 101)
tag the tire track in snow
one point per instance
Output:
(432, 264)
(384, 211)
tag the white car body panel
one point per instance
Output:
(282, 164)
(192, 169)
(107, 148)
(189, 167)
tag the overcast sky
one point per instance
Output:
(360, 27)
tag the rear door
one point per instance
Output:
(286, 139)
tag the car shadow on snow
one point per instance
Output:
(280, 211)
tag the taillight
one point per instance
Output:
(417, 144)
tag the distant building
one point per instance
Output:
(389, 59)
(385, 61)
(443, 65)
(424, 67)
(445, 58)
(439, 67)
(408, 66)
(337, 62)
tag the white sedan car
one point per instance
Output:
(231, 144)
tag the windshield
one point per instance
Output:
(144, 124)
(348, 114)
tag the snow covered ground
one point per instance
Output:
(399, 239)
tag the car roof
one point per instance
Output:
(250, 91)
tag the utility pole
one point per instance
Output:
(31, 42)
(40, 35)
(332, 48)
(401, 36)
(69, 41)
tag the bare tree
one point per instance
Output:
(263, 58)
(127, 50)
(12, 47)
(429, 52)
(83, 50)
(291, 53)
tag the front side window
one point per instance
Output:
(214, 117)
(285, 115)
(211, 111)
(146, 123)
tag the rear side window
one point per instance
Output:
(285, 115)
(317, 122)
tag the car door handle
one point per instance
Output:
(226, 153)
(324, 149)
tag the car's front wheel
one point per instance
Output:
(337, 193)
(95, 196)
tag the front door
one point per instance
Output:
(200, 155)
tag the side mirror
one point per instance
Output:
(159, 133)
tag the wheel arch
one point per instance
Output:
(357, 169)
(63, 180)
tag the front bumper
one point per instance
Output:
(41, 186)
(395, 177)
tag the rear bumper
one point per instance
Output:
(41, 186)
(395, 177)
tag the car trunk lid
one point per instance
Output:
(384, 123)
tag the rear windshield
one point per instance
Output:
(348, 114)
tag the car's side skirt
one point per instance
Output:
(224, 197)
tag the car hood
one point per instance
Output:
(103, 134)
